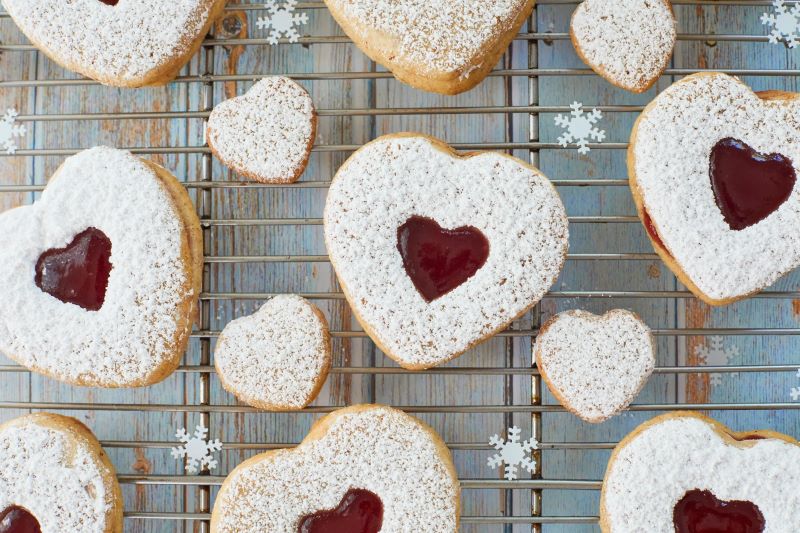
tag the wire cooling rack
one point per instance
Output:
(264, 240)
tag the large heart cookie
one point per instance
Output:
(101, 276)
(627, 42)
(713, 172)
(56, 478)
(266, 134)
(277, 358)
(389, 469)
(444, 46)
(124, 43)
(595, 365)
(685, 473)
(437, 252)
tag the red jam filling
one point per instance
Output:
(360, 511)
(699, 511)
(18, 520)
(651, 231)
(110, 2)
(748, 185)
(77, 274)
(438, 260)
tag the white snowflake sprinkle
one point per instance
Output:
(798, 372)
(795, 393)
(513, 453)
(785, 23)
(10, 130)
(196, 449)
(715, 354)
(282, 21)
(580, 127)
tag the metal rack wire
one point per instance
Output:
(203, 182)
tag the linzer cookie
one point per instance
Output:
(364, 469)
(124, 43)
(627, 42)
(444, 46)
(595, 365)
(685, 473)
(277, 358)
(56, 478)
(266, 134)
(102, 274)
(437, 251)
(713, 169)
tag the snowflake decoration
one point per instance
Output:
(795, 392)
(282, 21)
(785, 23)
(196, 449)
(580, 127)
(715, 354)
(513, 453)
(10, 130)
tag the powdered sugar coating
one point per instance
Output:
(375, 448)
(654, 470)
(395, 177)
(276, 358)
(595, 365)
(143, 317)
(57, 476)
(629, 42)
(266, 134)
(123, 43)
(669, 161)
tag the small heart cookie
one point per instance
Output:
(627, 42)
(123, 43)
(437, 251)
(277, 358)
(595, 365)
(56, 477)
(713, 171)
(390, 467)
(685, 473)
(444, 46)
(102, 274)
(266, 134)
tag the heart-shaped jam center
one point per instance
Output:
(438, 260)
(748, 185)
(18, 520)
(77, 274)
(360, 511)
(110, 2)
(699, 511)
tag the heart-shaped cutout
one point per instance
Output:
(438, 260)
(684, 472)
(102, 274)
(130, 43)
(360, 511)
(748, 185)
(442, 46)
(18, 520)
(728, 251)
(699, 511)
(397, 177)
(266, 134)
(627, 42)
(595, 365)
(352, 451)
(277, 358)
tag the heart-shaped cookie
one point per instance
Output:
(102, 274)
(444, 46)
(390, 466)
(685, 473)
(595, 365)
(627, 42)
(277, 358)
(266, 134)
(407, 225)
(125, 43)
(713, 168)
